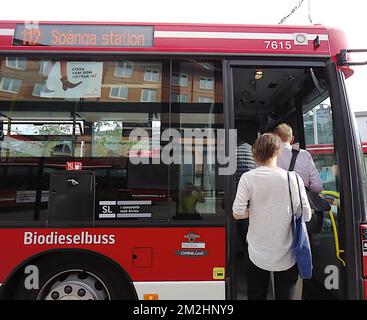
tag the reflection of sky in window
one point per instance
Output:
(23, 129)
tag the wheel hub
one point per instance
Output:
(74, 285)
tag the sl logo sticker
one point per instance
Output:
(218, 273)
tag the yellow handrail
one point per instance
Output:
(336, 239)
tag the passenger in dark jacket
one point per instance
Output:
(246, 134)
(245, 160)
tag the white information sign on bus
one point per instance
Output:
(72, 79)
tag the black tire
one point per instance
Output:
(112, 278)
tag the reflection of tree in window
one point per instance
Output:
(49, 129)
(50, 147)
(107, 139)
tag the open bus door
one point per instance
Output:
(304, 104)
(338, 247)
(352, 151)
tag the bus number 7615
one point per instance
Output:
(278, 45)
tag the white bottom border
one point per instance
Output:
(182, 290)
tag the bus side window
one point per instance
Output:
(196, 115)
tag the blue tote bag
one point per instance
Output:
(301, 248)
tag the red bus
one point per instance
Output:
(328, 149)
(88, 207)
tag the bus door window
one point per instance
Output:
(319, 141)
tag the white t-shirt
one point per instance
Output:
(269, 235)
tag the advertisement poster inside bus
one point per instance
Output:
(72, 79)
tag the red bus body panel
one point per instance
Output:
(364, 258)
(163, 243)
(201, 39)
(328, 148)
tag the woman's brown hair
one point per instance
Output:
(266, 147)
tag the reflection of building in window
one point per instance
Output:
(179, 97)
(16, 63)
(203, 99)
(10, 85)
(43, 66)
(206, 83)
(308, 127)
(148, 95)
(318, 125)
(37, 89)
(119, 92)
(324, 124)
(134, 76)
(124, 69)
(151, 75)
(180, 79)
(124, 80)
(196, 81)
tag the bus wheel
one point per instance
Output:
(74, 285)
(71, 276)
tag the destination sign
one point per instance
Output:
(61, 35)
